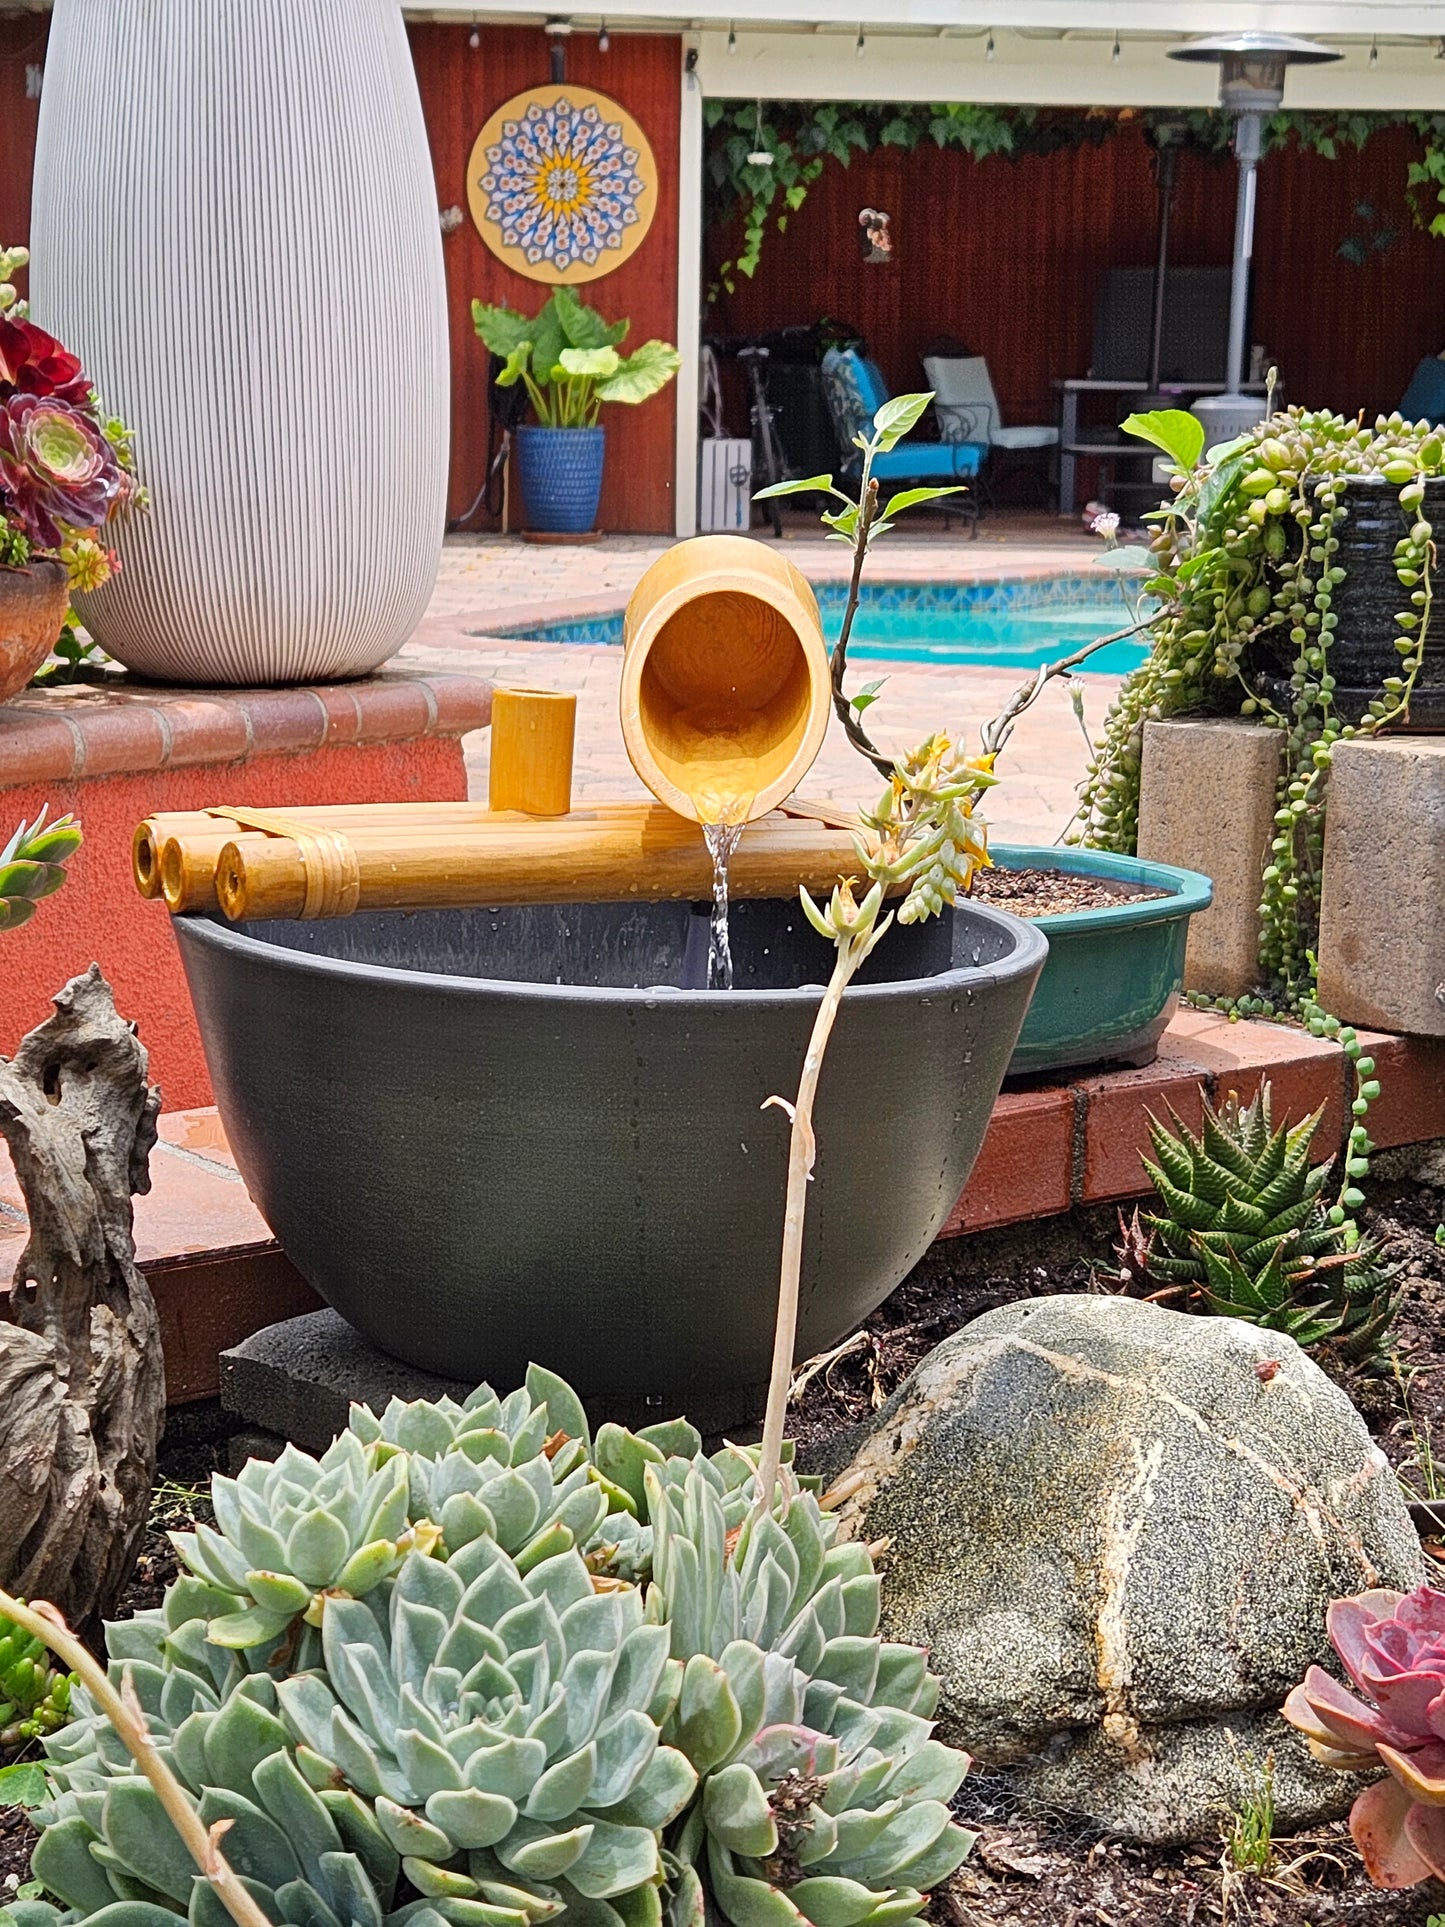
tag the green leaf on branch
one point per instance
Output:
(896, 417)
(867, 695)
(502, 330)
(810, 485)
(516, 365)
(910, 497)
(596, 362)
(1175, 430)
(1128, 559)
(843, 521)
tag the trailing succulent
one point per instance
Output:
(1246, 560)
(34, 1697)
(479, 1667)
(1244, 1228)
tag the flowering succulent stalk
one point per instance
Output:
(1392, 1647)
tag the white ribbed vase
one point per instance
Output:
(235, 226)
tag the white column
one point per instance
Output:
(689, 291)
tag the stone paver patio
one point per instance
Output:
(494, 581)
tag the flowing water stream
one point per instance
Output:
(722, 839)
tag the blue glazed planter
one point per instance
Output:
(1112, 978)
(560, 470)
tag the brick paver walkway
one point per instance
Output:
(488, 580)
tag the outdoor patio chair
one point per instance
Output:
(968, 409)
(1424, 399)
(855, 391)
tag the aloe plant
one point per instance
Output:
(32, 866)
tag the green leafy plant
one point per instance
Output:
(32, 866)
(483, 1738)
(1249, 1845)
(34, 1698)
(1244, 1230)
(566, 356)
(1245, 558)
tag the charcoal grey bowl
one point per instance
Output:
(491, 1136)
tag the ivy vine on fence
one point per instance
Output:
(764, 156)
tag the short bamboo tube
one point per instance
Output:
(641, 852)
(725, 686)
(532, 736)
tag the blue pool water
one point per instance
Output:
(1000, 624)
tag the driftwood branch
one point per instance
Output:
(82, 1384)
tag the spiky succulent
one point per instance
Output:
(823, 1795)
(389, 1671)
(108, 1851)
(1245, 1228)
(504, 1724)
(34, 1697)
(290, 1532)
(32, 866)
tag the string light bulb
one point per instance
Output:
(604, 39)
(1374, 53)
(474, 38)
(1440, 48)
(732, 38)
(1118, 51)
(861, 43)
(988, 46)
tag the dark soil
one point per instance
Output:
(1041, 1868)
(1049, 893)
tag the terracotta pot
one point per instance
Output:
(33, 603)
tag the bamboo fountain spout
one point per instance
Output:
(725, 694)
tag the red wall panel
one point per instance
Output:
(461, 87)
(1008, 255)
(22, 44)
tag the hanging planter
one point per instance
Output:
(1369, 524)
(228, 199)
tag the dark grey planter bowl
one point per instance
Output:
(484, 1145)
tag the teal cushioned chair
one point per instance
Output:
(1424, 399)
(855, 391)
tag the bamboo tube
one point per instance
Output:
(652, 855)
(725, 689)
(532, 737)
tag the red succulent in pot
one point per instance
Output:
(1392, 1646)
(58, 470)
(33, 362)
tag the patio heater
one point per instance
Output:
(1251, 84)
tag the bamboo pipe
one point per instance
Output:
(725, 691)
(174, 853)
(654, 855)
(532, 736)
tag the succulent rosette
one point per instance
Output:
(1392, 1647)
(57, 468)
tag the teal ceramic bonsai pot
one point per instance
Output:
(1113, 975)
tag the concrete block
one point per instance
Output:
(1382, 922)
(1206, 802)
(298, 1379)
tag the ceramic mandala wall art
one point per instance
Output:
(562, 184)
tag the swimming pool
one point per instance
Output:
(1017, 623)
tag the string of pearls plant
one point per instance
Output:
(1245, 563)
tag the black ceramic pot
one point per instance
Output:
(488, 1137)
(1363, 652)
